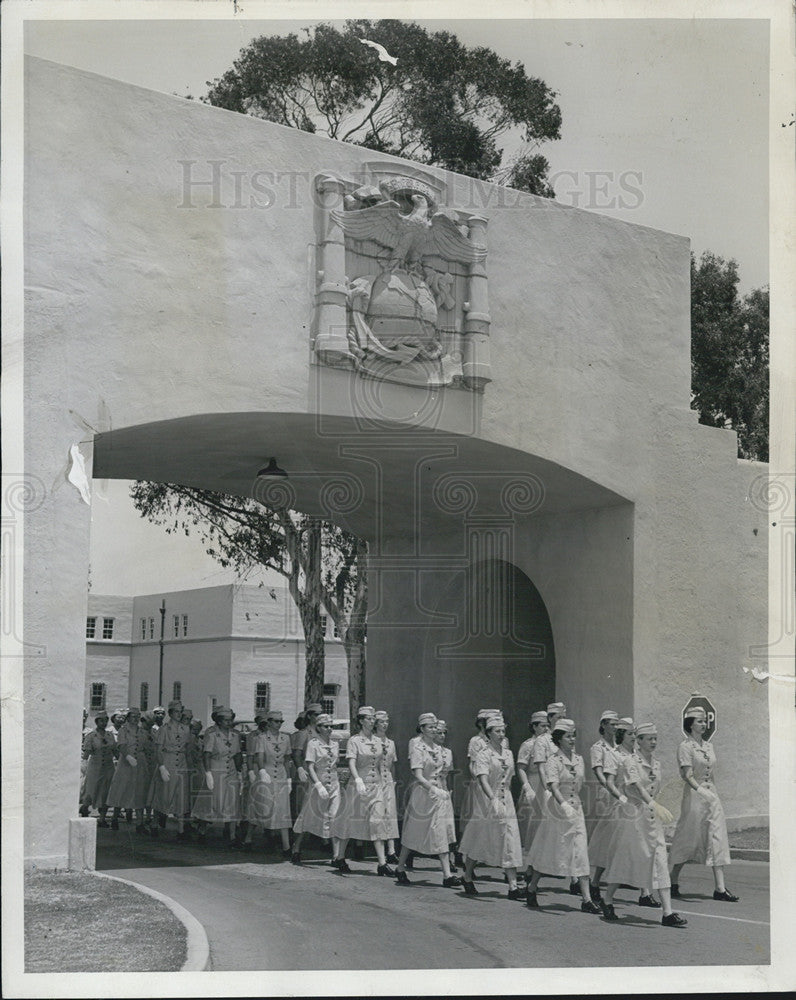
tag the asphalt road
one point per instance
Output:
(260, 912)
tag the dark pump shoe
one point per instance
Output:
(531, 900)
(517, 894)
(469, 888)
(452, 883)
(402, 878)
(609, 913)
(596, 895)
(673, 920)
(725, 895)
(574, 888)
(649, 901)
(341, 865)
(295, 858)
(392, 859)
(385, 870)
(589, 907)
(676, 891)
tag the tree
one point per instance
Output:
(442, 103)
(325, 566)
(729, 354)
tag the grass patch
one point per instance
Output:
(80, 923)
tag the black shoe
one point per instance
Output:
(725, 895)
(469, 888)
(609, 913)
(574, 888)
(410, 862)
(531, 900)
(588, 907)
(457, 857)
(114, 824)
(83, 810)
(649, 901)
(452, 883)
(287, 853)
(341, 865)
(385, 870)
(673, 920)
(517, 894)
(295, 858)
(104, 822)
(392, 859)
(454, 870)
(676, 891)
(401, 878)
(596, 895)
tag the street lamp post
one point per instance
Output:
(162, 632)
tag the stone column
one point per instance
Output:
(331, 331)
(476, 366)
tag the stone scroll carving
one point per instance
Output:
(401, 289)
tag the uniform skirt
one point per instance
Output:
(493, 840)
(559, 847)
(269, 804)
(637, 851)
(170, 797)
(222, 804)
(122, 791)
(318, 815)
(363, 816)
(529, 814)
(426, 822)
(701, 833)
(98, 781)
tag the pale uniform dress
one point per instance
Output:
(541, 752)
(701, 832)
(637, 851)
(474, 747)
(610, 810)
(123, 791)
(146, 769)
(425, 829)
(318, 815)
(529, 814)
(99, 749)
(491, 839)
(386, 761)
(363, 816)
(559, 847)
(222, 804)
(447, 767)
(196, 766)
(269, 802)
(172, 796)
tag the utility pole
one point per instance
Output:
(162, 632)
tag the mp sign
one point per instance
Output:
(699, 701)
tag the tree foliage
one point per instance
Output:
(442, 104)
(729, 354)
(325, 566)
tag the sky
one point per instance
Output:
(665, 124)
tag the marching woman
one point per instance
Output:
(222, 759)
(559, 847)
(492, 835)
(387, 773)
(122, 792)
(321, 804)
(605, 759)
(363, 814)
(99, 749)
(638, 850)
(145, 771)
(269, 795)
(529, 812)
(474, 747)
(701, 832)
(426, 828)
(170, 785)
(193, 756)
(440, 736)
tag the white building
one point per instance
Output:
(234, 645)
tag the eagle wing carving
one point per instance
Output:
(383, 223)
(445, 240)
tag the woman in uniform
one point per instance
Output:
(701, 832)
(529, 812)
(492, 835)
(145, 771)
(474, 747)
(425, 828)
(440, 737)
(269, 754)
(604, 759)
(322, 802)
(122, 793)
(170, 787)
(387, 774)
(222, 759)
(362, 815)
(638, 850)
(99, 749)
(559, 847)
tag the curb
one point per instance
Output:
(197, 957)
(749, 854)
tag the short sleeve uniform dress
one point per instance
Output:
(222, 804)
(608, 808)
(490, 838)
(318, 815)
(270, 801)
(636, 854)
(559, 847)
(100, 749)
(425, 828)
(701, 832)
(447, 767)
(529, 813)
(386, 762)
(474, 747)
(363, 815)
(172, 796)
(122, 791)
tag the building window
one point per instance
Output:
(262, 696)
(107, 628)
(151, 628)
(336, 632)
(176, 626)
(97, 702)
(143, 628)
(91, 627)
(329, 699)
(185, 624)
(324, 623)
(177, 691)
(144, 696)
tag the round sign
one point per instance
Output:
(700, 701)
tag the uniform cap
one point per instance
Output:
(443, 723)
(647, 729)
(696, 713)
(274, 715)
(101, 715)
(609, 715)
(564, 726)
(223, 713)
(493, 721)
(484, 713)
(323, 720)
(158, 708)
(538, 717)
(426, 719)
(174, 704)
(260, 716)
(366, 710)
(314, 706)
(381, 714)
(557, 706)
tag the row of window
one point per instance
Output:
(262, 696)
(91, 627)
(179, 626)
